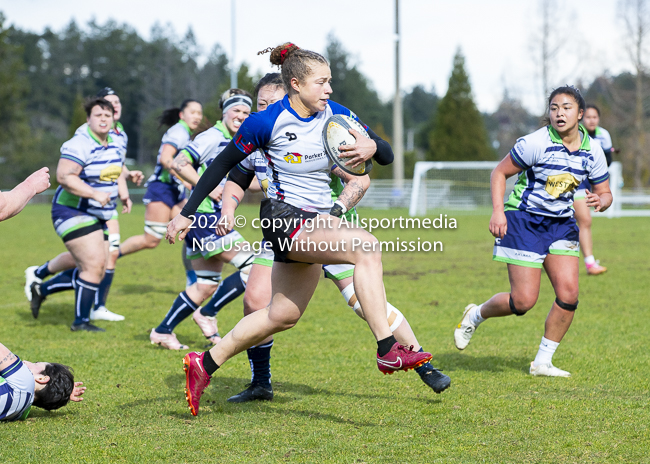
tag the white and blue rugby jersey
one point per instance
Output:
(101, 167)
(178, 136)
(602, 136)
(298, 167)
(551, 173)
(257, 164)
(16, 391)
(202, 151)
(117, 133)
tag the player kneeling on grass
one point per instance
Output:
(538, 228)
(24, 384)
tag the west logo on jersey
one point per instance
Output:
(110, 173)
(559, 184)
(291, 136)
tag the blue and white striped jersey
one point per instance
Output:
(178, 136)
(551, 173)
(298, 167)
(202, 151)
(256, 163)
(101, 167)
(602, 136)
(117, 133)
(16, 391)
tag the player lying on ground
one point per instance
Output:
(24, 384)
(538, 228)
(300, 192)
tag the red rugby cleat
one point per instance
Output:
(196, 380)
(401, 358)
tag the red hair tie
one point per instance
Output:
(284, 52)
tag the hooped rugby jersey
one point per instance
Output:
(16, 391)
(298, 170)
(602, 136)
(178, 136)
(118, 135)
(551, 173)
(101, 167)
(202, 151)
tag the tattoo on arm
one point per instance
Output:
(352, 193)
(8, 359)
(237, 200)
(180, 162)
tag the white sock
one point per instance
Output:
(589, 260)
(546, 350)
(475, 316)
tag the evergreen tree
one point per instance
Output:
(459, 130)
(353, 90)
(17, 141)
(78, 115)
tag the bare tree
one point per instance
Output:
(636, 18)
(548, 39)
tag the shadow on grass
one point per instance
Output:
(467, 362)
(225, 387)
(50, 314)
(132, 289)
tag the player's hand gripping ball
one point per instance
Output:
(336, 133)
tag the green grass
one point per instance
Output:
(331, 404)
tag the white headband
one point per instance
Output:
(237, 100)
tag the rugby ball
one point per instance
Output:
(335, 134)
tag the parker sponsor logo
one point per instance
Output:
(559, 184)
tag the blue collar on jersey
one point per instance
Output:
(584, 146)
(287, 105)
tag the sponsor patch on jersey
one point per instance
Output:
(293, 158)
(110, 173)
(561, 183)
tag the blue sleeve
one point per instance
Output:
(340, 109)
(255, 132)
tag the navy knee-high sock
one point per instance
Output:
(104, 288)
(424, 368)
(59, 283)
(181, 309)
(42, 271)
(229, 289)
(84, 297)
(260, 359)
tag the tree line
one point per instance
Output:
(45, 76)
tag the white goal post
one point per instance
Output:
(465, 186)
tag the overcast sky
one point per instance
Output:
(496, 36)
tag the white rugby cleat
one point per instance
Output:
(30, 277)
(547, 370)
(465, 330)
(103, 314)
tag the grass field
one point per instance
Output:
(331, 403)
